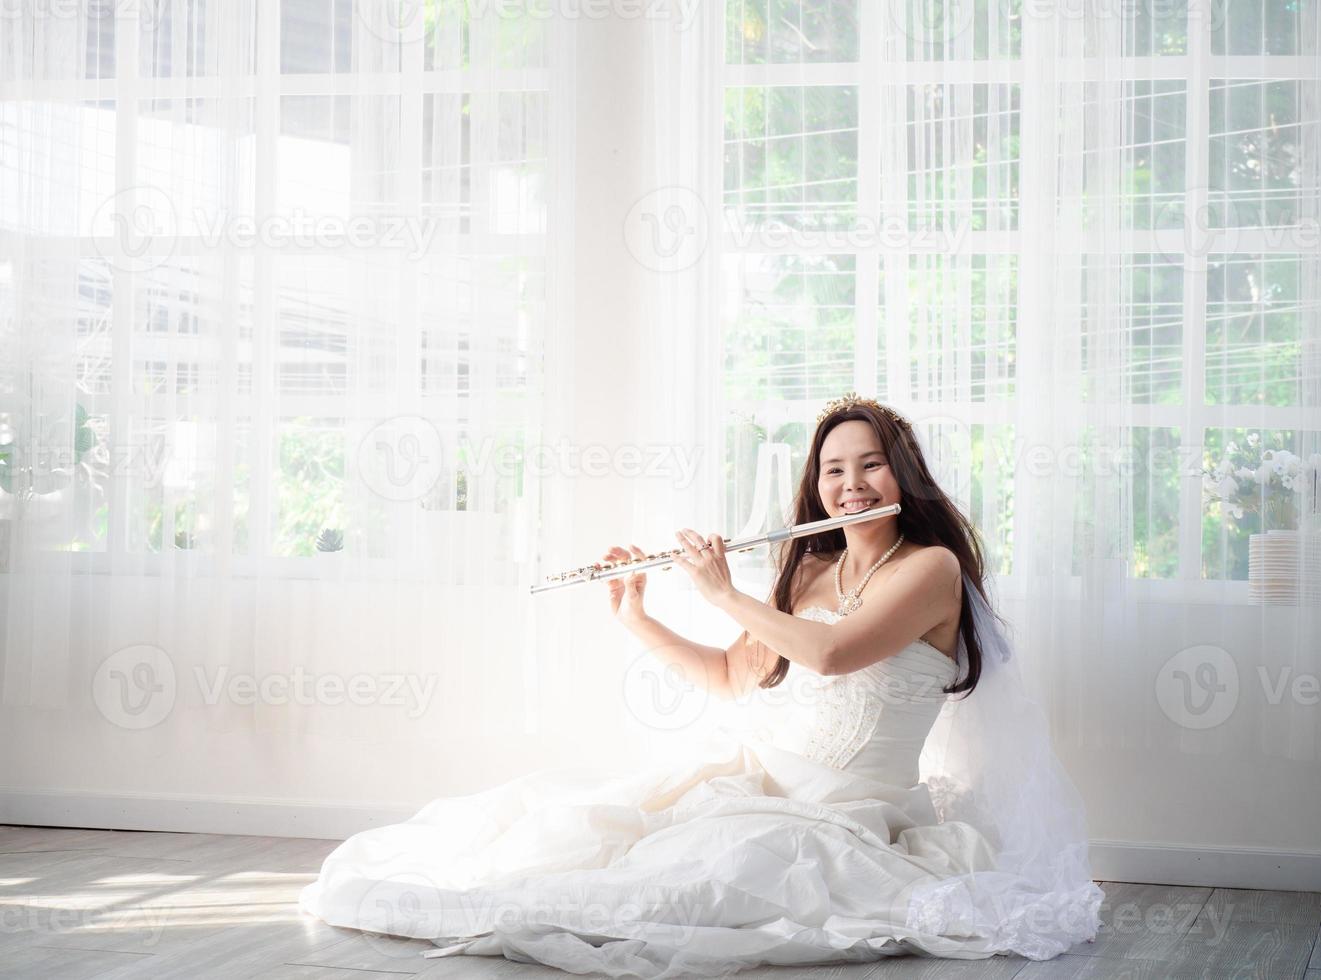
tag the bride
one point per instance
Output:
(902, 796)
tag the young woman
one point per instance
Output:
(910, 569)
(870, 813)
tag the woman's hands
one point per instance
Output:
(704, 561)
(626, 596)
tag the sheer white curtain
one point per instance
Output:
(1169, 327)
(278, 288)
(1078, 245)
(672, 234)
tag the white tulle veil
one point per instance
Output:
(989, 762)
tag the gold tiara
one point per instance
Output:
(850, 400)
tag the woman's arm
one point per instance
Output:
(916, 599)
(803, 641)
(701, 665)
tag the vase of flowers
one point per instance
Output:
(1276, 485)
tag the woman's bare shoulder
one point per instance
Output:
(948, 561)
(941, 554)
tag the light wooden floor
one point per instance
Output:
(119, 904)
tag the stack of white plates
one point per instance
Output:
(1277, 561)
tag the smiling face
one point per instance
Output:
(853, 466)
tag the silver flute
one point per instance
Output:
(601, 571)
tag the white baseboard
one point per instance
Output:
(197, 815)
(1217, 867)
(1163, 864)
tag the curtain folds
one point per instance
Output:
(277, 307)
(1076, 244)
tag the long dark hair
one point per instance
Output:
(928, 517)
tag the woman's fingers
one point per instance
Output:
(636, 577)
(694, 544)
(686, 549)
(614, 554)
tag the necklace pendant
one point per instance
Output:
(849, 604)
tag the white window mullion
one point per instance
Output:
(226, 428)
(1047, 545)
(990, 516)
(265, 323)
(232, 117)
(894, 177)
(172, 348)
(484, 143)
(956, 316)
(405, 518)
(1194, 288)
(123, 280)
(867, 262)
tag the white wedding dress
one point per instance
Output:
(797, 836)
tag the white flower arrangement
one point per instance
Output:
(1250, 479)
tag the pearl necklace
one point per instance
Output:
(848, 603)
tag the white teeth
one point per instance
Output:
(859, 506)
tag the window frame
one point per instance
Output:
(1197, 67)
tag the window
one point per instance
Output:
(911, 116)
(323, 252)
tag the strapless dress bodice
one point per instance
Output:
(872, 721)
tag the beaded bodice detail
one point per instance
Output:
(876, 718)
